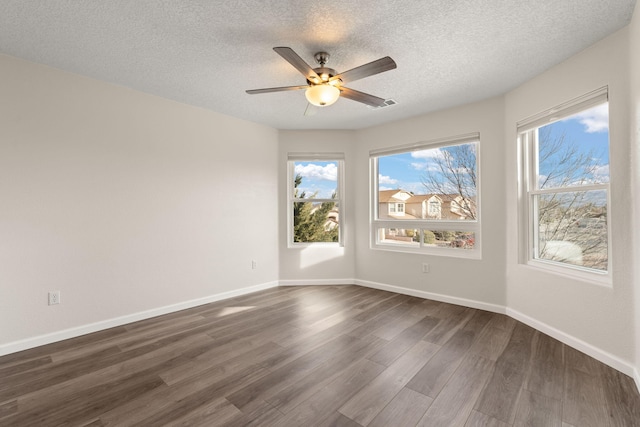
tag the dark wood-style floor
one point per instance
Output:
(316, 356)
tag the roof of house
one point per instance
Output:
(386, 196)
(419, 198)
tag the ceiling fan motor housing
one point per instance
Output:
(325, 74)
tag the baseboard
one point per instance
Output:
(495, 308)
(317, 282)
(28, 343)
(598, 354)
(636, 377)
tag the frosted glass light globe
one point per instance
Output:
(322, 95)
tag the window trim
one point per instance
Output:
(528, 189)
(292, 158)
(425, 224)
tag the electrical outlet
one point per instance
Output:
(425, 267)
(54, 297)
(254, 265)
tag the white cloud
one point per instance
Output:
(414, 187)
(328, 172)
(595, 119)
(316, 193)
(541, 179)
(432, 153)
(601, 171)
(425, 167)
(384, 179)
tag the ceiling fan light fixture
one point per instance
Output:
(322, 95)
(324, 85)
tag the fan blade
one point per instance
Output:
(276, 89)
(379, 66)
(365, 98)
(299, 64)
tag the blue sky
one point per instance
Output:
(407, 170)
(589, 133)
(589, 130)
(320, 177)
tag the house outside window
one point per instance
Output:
(425, 197)
(315, 198)
(564, 216)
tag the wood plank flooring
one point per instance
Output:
(316, 356)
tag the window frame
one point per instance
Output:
(375, 224)
(528, 172)
(293, 158)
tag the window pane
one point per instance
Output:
(316, 222)
(431, 238)
(436, 183)
(399, 236)
(572, 228)
(315, 179)
(575, 151)
(449, 239)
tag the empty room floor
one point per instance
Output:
(316, 356)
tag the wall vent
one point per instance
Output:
(387, 103)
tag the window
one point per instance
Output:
(425, 197)
(314, 202)
(435, 207)
(565, 208)
(396, 208)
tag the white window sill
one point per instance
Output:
(573, 272)
(474, 254)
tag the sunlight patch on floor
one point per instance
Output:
(232, 310)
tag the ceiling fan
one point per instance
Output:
(324, 85)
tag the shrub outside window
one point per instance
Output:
(425, 197)
(565, 212)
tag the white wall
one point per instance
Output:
(472, 281)
(634, 139)
(596, 318)
(124, 202)
(318, 263)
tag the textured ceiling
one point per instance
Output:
(207, 53)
